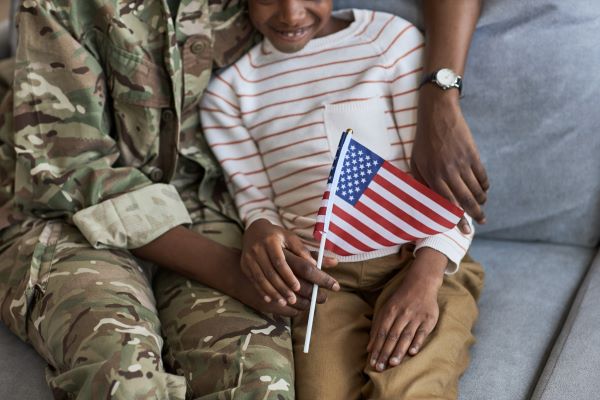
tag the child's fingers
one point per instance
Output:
(396, 333)
(261, 282)
(419, 339)
(294, 244)
(406, 338)
(278, 260)
(379, 334)
(264, 260)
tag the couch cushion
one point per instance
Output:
(531, 95)
(528, 290)
(21, 370)
(572, 369)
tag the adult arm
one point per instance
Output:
(444, 155)
(179, 250)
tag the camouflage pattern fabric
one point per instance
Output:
(97, 320)
(100, 152)
(105, 105)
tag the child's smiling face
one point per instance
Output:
(291, 24)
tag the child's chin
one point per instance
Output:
(289, 47)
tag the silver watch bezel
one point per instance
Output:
(446, 78)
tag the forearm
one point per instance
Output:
(428, 269)
(196, 257)
(449, 27)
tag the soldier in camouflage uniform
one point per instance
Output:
(100, 155)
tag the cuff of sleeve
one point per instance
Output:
(445, 246)
(269, 215)
(133, 219)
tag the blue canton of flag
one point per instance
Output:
(360, 166)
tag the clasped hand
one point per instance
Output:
(281, 268)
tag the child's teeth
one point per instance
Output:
(296, 33)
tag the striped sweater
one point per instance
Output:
(274, 120)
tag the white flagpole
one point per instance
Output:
(330, 202)
(313, 299)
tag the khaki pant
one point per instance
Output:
(337, 366)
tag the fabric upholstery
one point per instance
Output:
(528, 291)
(572, 368)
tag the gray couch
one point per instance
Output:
(531, 99)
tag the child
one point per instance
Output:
(274, 120)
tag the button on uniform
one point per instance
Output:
(198, 47)
(168, 115)
(156, 174)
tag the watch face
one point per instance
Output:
(445, 77)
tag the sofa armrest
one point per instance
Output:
(572, 368)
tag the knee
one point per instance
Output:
(116, 379)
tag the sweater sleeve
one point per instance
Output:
(406, 56)
(237, 152)
(66, 156)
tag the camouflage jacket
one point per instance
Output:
(104, 112)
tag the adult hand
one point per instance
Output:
(444, 155)
(279, 265)
(405, 320)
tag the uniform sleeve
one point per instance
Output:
(68, 163)
(406, 55)
(237, 153)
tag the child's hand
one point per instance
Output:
(275, 260)
(410, 314)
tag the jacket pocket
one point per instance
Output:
(136, 80)
(141, 97)
(367, 120)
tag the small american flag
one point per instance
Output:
(375, 205)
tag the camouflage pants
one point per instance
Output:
(111, 327)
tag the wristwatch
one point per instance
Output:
(445, 78)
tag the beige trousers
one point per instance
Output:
(337, 366)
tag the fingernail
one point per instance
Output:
(413, 350)
(394, 361)
(296, 287)
(292, 299)
(336, 286)
(467, 228)
(380, 367)
(282, 302)
(373, 361)
(267, 299)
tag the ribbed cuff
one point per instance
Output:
(269, 215)
(445, 246)
(133, 219)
